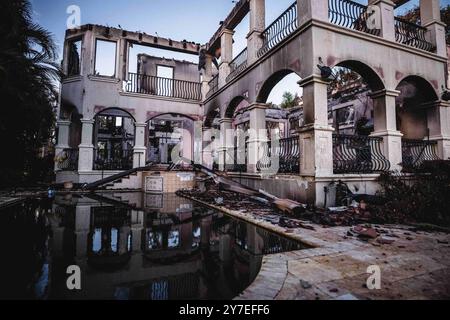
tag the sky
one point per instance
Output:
(193, 20)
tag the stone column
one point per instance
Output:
(312, 9)
(86, 157)
(226, 40)
(82, 228)
(316, 135)
(63, 138)
(430, 16)
(438, 116)
(385, 122)
(384, 17)
(257, 135)
(225, 130)
(137, 226)
(207, 76)
(207, 148)
(257, 26)
(139, 150)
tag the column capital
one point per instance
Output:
(63, 123)
(87, 121)
(438, 103)
(226, 120)
(314, 78)
(226, 31)
(384, 93)
(140, 124)
(432, 22)
(258, 105)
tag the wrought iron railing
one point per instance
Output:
(288, 153)
(412, 35)
(238, 65)
(106, 159)
(349, 14)
(358, 154)
(239, 155)
(416, 152)
(213, 86)
(164, 87)
(67, 160)
(280, 29)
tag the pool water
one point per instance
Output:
(129, 247)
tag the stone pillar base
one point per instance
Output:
(316, 151)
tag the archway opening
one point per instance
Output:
(351, 114)
(114, 138)
(169, 133)
(413, 106)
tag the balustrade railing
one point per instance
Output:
(239, 156)
(288, 153)
(164, 87)
(238, 65)
(106, 159)
(349, 14)
(213, 86)
(358, 154)
(412, 35)
(67, 160)
(416, 152)
(280, 29)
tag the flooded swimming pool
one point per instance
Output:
(129, 247)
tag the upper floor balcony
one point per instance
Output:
(369, 21)
(108, 61)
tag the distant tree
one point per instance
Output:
(413, 16)
(289, 100)
(28, 75)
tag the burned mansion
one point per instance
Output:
(373, 100)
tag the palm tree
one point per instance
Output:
(28, 77)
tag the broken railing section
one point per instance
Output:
(358, 154)
(164, 87)
(283, 205)
(416, 152)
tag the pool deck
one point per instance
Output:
(415, 266)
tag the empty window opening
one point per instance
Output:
(105, 58)
(74, 54)
(164, 72)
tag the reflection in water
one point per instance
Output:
(130, 246)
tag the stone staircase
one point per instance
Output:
(130, 182)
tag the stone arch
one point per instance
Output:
(413, 105)
(233, 106)
(114, 139)
(270, 83)
(172, 114)
(162, 136)
(371, 76)
(428, 92)
(209, 119)
(117, 111)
